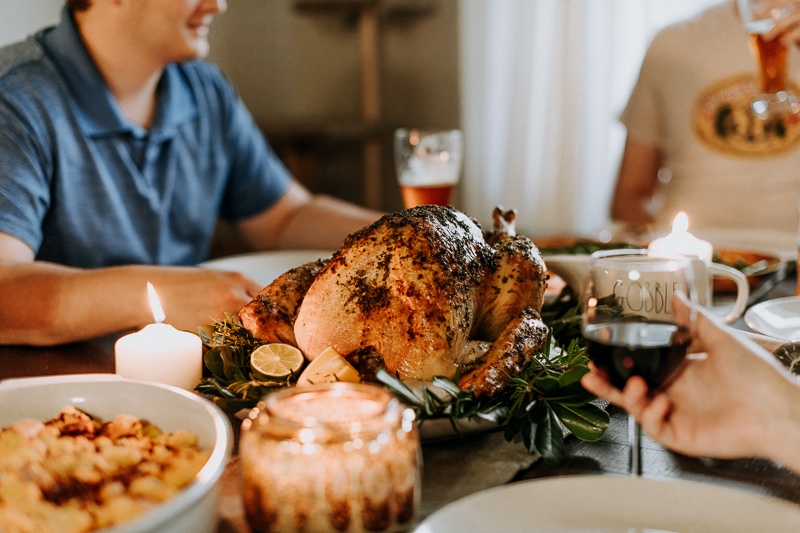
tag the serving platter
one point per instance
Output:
(613, 504)
(757, 266)
(778, 318)
(780, 244)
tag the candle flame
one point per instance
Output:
(155, 304)
(681, 223)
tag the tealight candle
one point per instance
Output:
(680, 241)
(159, 352)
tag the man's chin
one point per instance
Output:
(197, 50)
(202, 49)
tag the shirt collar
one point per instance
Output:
(98, 112)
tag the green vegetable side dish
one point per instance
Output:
(749, 266)
(580, 246)
(542, 400)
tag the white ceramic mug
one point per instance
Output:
(573, 268)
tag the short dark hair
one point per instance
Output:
(78, 5)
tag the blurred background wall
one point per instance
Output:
(300, 66)
(18, 18)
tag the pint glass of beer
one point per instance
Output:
(428, 165)
(759, 18)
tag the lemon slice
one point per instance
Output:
(328, 367)
(276, 360)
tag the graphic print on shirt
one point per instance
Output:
(726, 122)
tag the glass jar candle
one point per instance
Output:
(331, 457)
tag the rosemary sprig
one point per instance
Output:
(227, 358)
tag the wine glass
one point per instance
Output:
(628, 324)
(759, 18)
(428, 165)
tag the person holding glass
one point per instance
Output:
(731, 399)
(120, 147)
(696, 144)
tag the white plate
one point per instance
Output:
(264, 267)
(613, 504)
(778, 318)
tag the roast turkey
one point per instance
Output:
(418, 289)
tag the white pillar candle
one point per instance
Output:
(680, 241)
(159, 352)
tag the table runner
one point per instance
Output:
(456, 468)
(451, 468)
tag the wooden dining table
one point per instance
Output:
(456, 467)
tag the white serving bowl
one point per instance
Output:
(194, 509)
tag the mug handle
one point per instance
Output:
(742, 289)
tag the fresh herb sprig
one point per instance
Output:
(562, 315)
(547, 397)
(542, 401)
(227, 358)
(581, 246)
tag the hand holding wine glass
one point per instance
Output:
(702, 412)
(627, 320)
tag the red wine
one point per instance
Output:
(622, 349)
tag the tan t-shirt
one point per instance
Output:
(729, 169)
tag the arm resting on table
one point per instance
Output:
(46, 304)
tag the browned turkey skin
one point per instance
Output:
(413, 289)
(271, 315)
(507, 356)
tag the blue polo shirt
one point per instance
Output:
(84, 186)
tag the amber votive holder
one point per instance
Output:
(331, 457)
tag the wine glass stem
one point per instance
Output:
(634, 442)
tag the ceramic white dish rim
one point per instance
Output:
(208, 475)
(651, 499)
(264, 267)
(761, 317)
